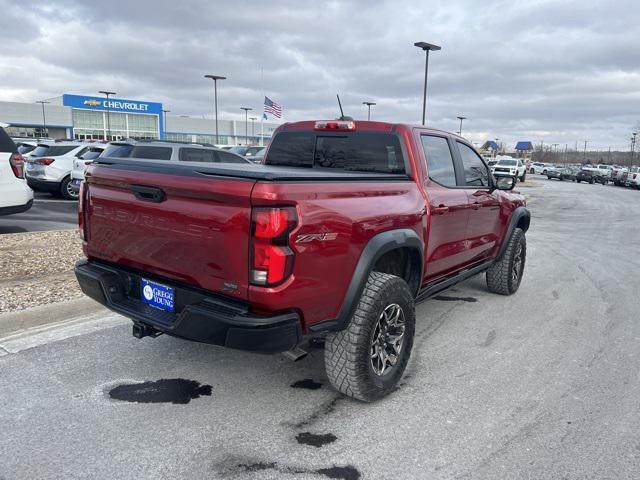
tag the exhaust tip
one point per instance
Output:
(295, 354)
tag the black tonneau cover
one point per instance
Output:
(244, 171)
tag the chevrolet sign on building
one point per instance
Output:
(97, 118)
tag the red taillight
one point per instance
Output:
(43, 161)
(272, 259)
(335, 125)
(17, 164)
(82, 206)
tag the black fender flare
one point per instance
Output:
(377, 246)
(518, 214)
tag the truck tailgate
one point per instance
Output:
(190, 228)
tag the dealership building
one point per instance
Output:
(98, 118)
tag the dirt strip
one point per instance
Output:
(37, 268)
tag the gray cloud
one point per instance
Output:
(539, 70)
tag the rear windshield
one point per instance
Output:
(25, 148)
(91, 154)
(117, 150)
(358, 151)
(151, 153)
(52, 150)
(6, 144)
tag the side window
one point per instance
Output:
(227, 157)
(476, 173)
(439, 160)
(198, 155)
(82, 151)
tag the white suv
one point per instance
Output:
(509, 167)
(15, 195)
(633, 177)
(113, 149)
(50, 164)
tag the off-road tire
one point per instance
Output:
(500, 277)
(524, 176)
(347, 355)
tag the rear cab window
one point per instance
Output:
(355, 151)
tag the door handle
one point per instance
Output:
(148, 194)
(440, 210)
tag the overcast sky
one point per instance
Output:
(552, 71)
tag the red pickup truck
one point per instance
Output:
(345, 226)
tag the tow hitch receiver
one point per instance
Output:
(140, 330)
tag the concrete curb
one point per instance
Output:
(13, 322)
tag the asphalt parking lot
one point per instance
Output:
(540, 385)
(47, 213)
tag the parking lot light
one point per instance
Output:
(461, 118)
(215, 79)
(44, 118)
(368, 104)
(246, 124)
(106, 93)
(164, 122)
(427, 47)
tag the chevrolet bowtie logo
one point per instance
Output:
(93, 103)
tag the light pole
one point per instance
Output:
(106, 94)
(585, 151)
(215, 79)
(497, 145)
(461, 118)
(427, 47)
(246, 124)
(164, 122)
(44, 118)
(633, 146)
(368, 104)
(253, 126)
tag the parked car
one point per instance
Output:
(183, 152)
(15, 195)
(80, 165)
(569, 173)
(243, 256)
(590, 176)
(50, 164)
(603, 172)
(25, 147)
(511, 167)
(259, 157)
(251, 152)
(619, 175)
(633, 178)
(538, 167)
(555, 171)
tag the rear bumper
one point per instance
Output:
(16, 209)
(200, 317)
(47, 185)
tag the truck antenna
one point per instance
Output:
(342, 117)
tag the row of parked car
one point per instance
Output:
(58, 166)
(618, 175)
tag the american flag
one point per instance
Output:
(272, 108)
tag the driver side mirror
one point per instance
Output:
(505, 183)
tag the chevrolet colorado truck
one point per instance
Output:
(339, 233)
